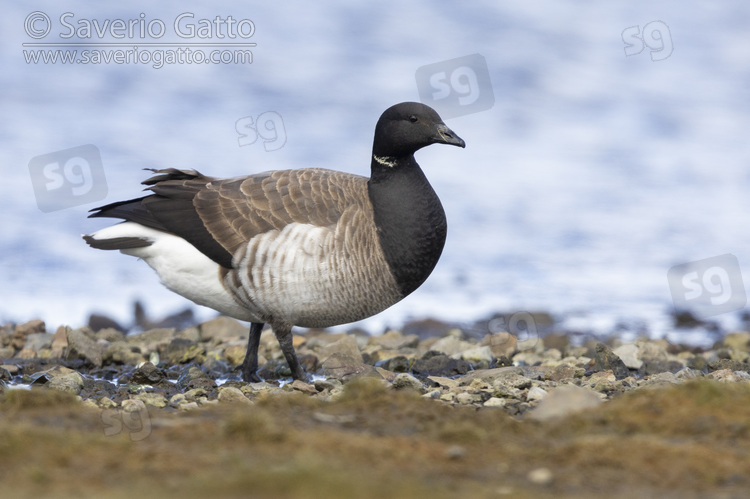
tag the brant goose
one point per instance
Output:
(309, 247)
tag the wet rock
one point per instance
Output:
(4, 374)
(193, 377)
(231, 395)
(564, 401)
(149, 374)
(82, 345)
(97, 388)
(409, 382)
(70, 382)
(437, 364)
(605, 359)
(21, 331)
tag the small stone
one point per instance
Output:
(406, 380)
(133, 405)
(434, 394)
(451, 345)
(466, 398)
(195, 393)
(149, 374)
(564, 401)
(70, 382)
(455, 452)
(345, 367)
(437, 364)
(11, 368)
(501, 344)
(303, 387)
(222, 328)
(495, 402)
(629, 354)
(106, 403)
(605, 360)
(478, 354)
(177, 399)
(235, 354)
(122, 352)
(446, 382)
(540, 476)
(188, 406)
(38, 341)
(81, 345)
(151, 398)
(23, 330)
(535, 393)
(232, 395)
(345, 347)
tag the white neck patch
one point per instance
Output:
(385, 160)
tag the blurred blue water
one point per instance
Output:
(593, 173)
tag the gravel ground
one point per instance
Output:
(470, 413)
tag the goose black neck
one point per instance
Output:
(409, 217)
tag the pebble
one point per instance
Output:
(232, 395)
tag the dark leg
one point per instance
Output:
(284, 335)
(250, 365)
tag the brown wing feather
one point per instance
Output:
(236, 210)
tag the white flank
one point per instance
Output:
(180, 266)
(290, 273)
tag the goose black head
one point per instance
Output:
(405, 128)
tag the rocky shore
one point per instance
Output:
(188, 368)
(430, 409)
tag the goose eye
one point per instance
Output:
(413, 118)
